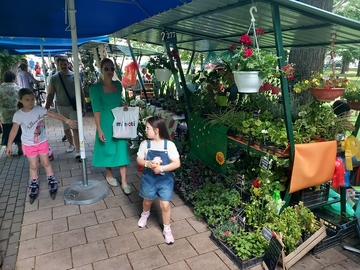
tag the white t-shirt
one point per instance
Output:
(32, 125)
(171, 148)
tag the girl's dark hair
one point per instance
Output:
(23, 66)
(160, 123)
(9, 76)
(22, 93)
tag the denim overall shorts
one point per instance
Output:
(157, 185)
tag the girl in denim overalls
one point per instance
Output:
(160, 157)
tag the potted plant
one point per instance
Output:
(323, 87)
(251, 66)
(161, 67)
(352, 95)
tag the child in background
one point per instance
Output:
(160, 157)
(35, 143)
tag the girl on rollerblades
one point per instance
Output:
(35, 143)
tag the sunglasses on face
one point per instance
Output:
(107, 69)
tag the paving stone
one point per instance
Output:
(12, 249)
(115, 246)
(35, 247)
(28, 232)
(206, 261)
(65, 211)
(58, 260)
(180, 250)
(25, 264)
(89, 253)
(111, 214)
(202, 243)
(14, 238)
(120, 262)
(51, 227)
(15, 227)
(100, 232)
(148, 258)
(329, 257)
(38, 216)
(100, 205)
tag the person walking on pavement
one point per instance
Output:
(108, 151)
(159, 156)
(8, 101)
(62, 84)
(35, 143)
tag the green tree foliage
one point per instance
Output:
(7, 61)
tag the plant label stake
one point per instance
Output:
(265, 163)
(273, 253)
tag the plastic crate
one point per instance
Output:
(337, 229)
(312, 196)
(231, 255)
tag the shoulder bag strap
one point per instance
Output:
(63, 84)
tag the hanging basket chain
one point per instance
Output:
(333, 36)
(252, 25)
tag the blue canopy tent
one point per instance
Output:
(59, 19)
(48, 19)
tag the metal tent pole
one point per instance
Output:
(85, 191)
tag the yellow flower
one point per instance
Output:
(256, 191)
(220, 158)
(306, 81)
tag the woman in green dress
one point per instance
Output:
(108, 151)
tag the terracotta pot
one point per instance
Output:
(327, 95)
(355, 105)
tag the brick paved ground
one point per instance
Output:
(51, 235)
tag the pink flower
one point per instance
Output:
(248, 52)
(232, 47)
(227, 233)
(233, 219)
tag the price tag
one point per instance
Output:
(168, 35)
(265, 164)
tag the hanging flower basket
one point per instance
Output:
(247, 81)
(324, 94)
(354, 104)
(162, 75)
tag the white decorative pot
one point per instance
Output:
(162, 75)
(247, 81)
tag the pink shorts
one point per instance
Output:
(34, 150)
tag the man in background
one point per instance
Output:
(62, 84)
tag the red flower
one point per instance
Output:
(267, 86)
(275, 90)
(256, 183)
(227, 233)
(233, 219)
(245, 39)
(233, 47)
(175, 55)
(290, 77)
(248, 52)
(171, 124)
(259, 31)
(172, 135)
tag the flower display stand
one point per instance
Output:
(231, 255)
(247, 81)
(303, 249)
(354, 104)
(162, 75)
(323, 94)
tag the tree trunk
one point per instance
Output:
(307, 60)
(358, 68)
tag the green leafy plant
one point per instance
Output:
(215, 202)
(248, 245)
(160, 61)
(352, 93)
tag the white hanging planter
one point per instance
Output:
(162, 75)
(247, 81)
